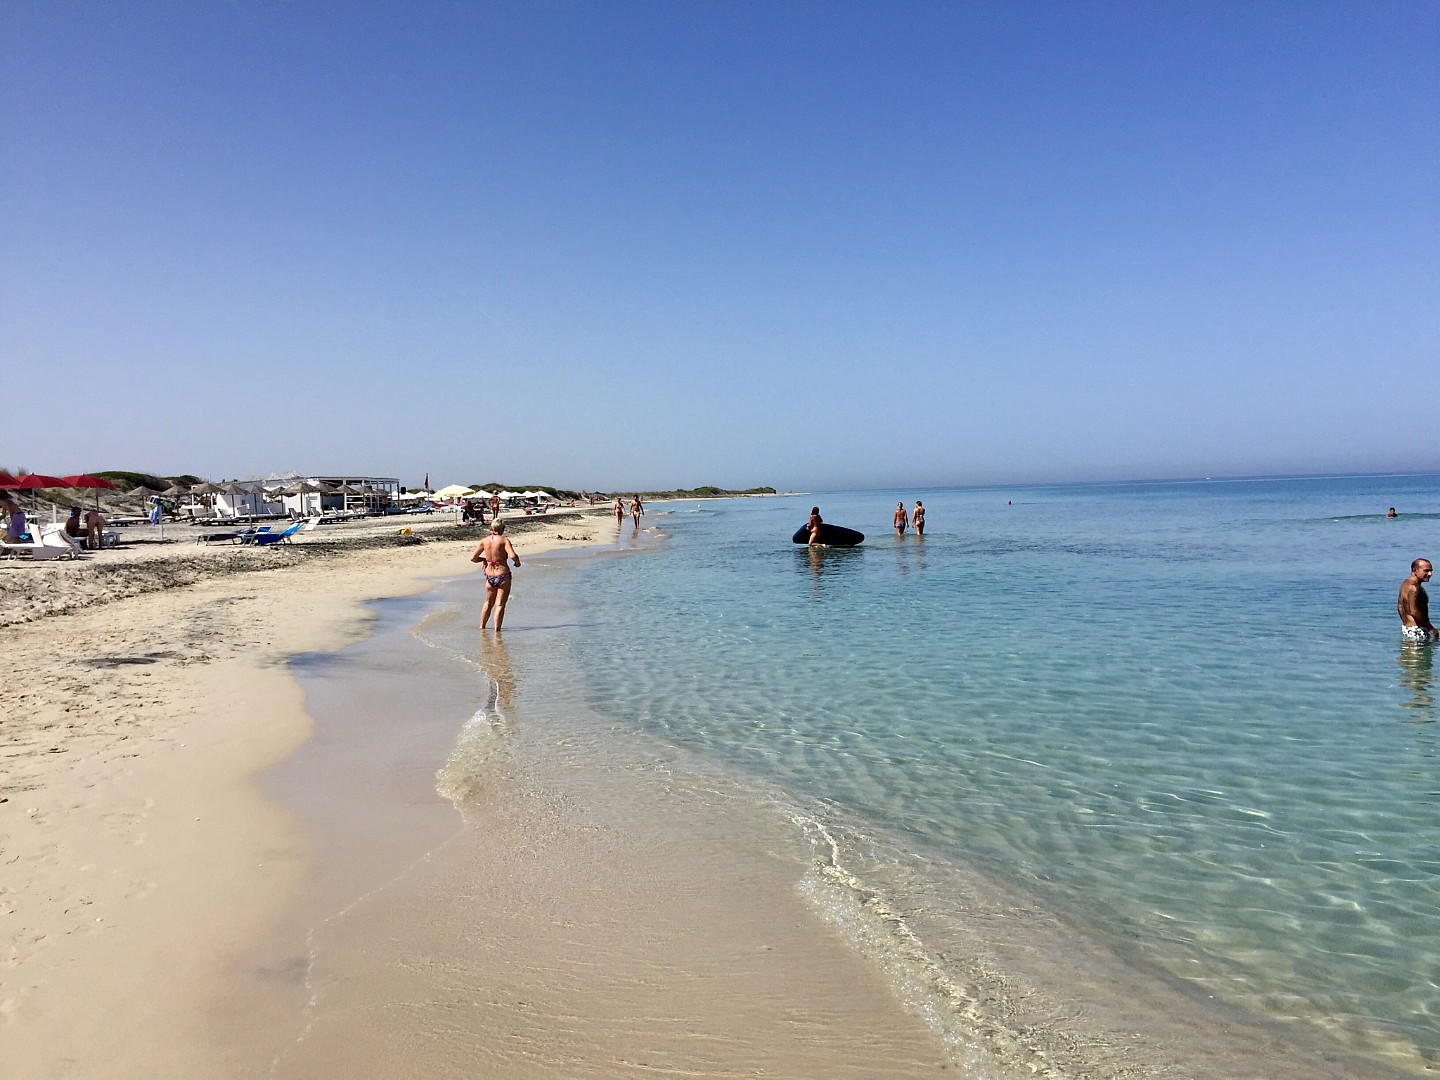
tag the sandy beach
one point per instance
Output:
(145, 870)
(147, 685)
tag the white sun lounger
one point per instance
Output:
(36, 549)
(56, 536)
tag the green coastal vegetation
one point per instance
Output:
(131, 480)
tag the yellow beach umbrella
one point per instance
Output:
(454, 491)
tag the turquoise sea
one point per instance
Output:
(1138, 742)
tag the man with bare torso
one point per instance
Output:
(1413, 604)
(496, 551)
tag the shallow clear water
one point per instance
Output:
(1180, 713)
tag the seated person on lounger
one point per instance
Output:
(73, 525)
(14, 518)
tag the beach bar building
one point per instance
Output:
(299, 496)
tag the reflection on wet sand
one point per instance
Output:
(1417, 676)
(495, 662)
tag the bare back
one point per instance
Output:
(1413, 604)
(496, 549)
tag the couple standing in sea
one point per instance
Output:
(917, 519)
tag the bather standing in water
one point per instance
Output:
(496, 551)
(1413, 604)
(918, 518)
(900, 519)
(815, 522)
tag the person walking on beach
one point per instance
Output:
(495, 551)
(918, 518)
(636, 509)
(815, 522)
(619, 510)
(900, 519)
(1413, 604)
(494, 506)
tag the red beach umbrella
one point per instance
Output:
(32, 481)
(6, 480)
(84, 480)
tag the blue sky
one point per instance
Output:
(651, 244)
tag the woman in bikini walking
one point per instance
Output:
(496, 551)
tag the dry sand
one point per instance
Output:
(145, 686)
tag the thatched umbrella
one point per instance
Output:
(209, 490)
(176, 490)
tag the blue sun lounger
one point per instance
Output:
(263, 538)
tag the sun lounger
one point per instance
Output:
(36, 548)
(265, 538)
(218, 537)
(56, 536)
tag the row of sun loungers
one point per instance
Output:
(53, 542)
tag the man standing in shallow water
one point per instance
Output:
(495, 550)
(1413, 604)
